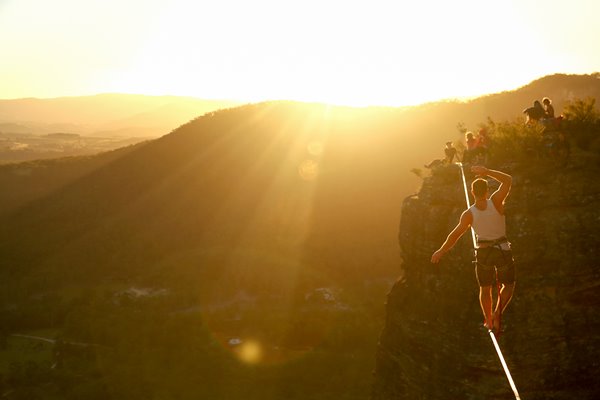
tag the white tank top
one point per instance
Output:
(488, 224)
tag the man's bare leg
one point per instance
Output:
(506, 293)
(485, 300)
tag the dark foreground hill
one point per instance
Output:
(303, 184)
(270, 224)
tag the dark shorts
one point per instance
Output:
(492, 259)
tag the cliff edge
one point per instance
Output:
(433, 345)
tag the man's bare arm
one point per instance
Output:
(463, 225)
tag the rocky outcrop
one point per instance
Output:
(433, 345)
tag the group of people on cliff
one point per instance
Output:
(539, 112)
(477, 145)
(476, 150)
(554, 139)
(543, 113)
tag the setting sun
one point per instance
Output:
(375, 54)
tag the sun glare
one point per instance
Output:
(340, 52)
(300, 55)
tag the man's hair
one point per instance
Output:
(479, 187)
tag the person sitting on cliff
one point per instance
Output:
(482, 145)
(548, 108)
(535, 113)
(550, 122)
(494, 256)
(449, 152)
(471, 150)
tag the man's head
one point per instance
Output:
(479, 188)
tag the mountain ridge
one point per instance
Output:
(108, 112)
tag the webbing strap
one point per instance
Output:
(499, 289)
(506, 371)
(462, 172)
(494, 341)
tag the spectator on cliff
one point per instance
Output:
(482, 144)
(449, 153)
(494, 256)
(471, 149)
(548, 108)
(535, 113)
(550, 122)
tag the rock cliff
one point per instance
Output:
(433, 345)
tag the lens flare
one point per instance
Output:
(250, 352)
(308, 170)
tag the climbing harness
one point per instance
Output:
(491, 333)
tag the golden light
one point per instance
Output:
(250, 352)
(384, 62)
(308, 170)
(315, 148)
(354, 53)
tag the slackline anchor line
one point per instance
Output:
(492, 336)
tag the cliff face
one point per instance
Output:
(433, 345)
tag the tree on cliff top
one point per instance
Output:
(583, 120)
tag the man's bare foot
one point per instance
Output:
(488, 325)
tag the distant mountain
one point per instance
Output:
(117, 114)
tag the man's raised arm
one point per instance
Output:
(500, 195)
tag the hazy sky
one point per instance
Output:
(343, 51)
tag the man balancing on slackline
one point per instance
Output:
(486, 217)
